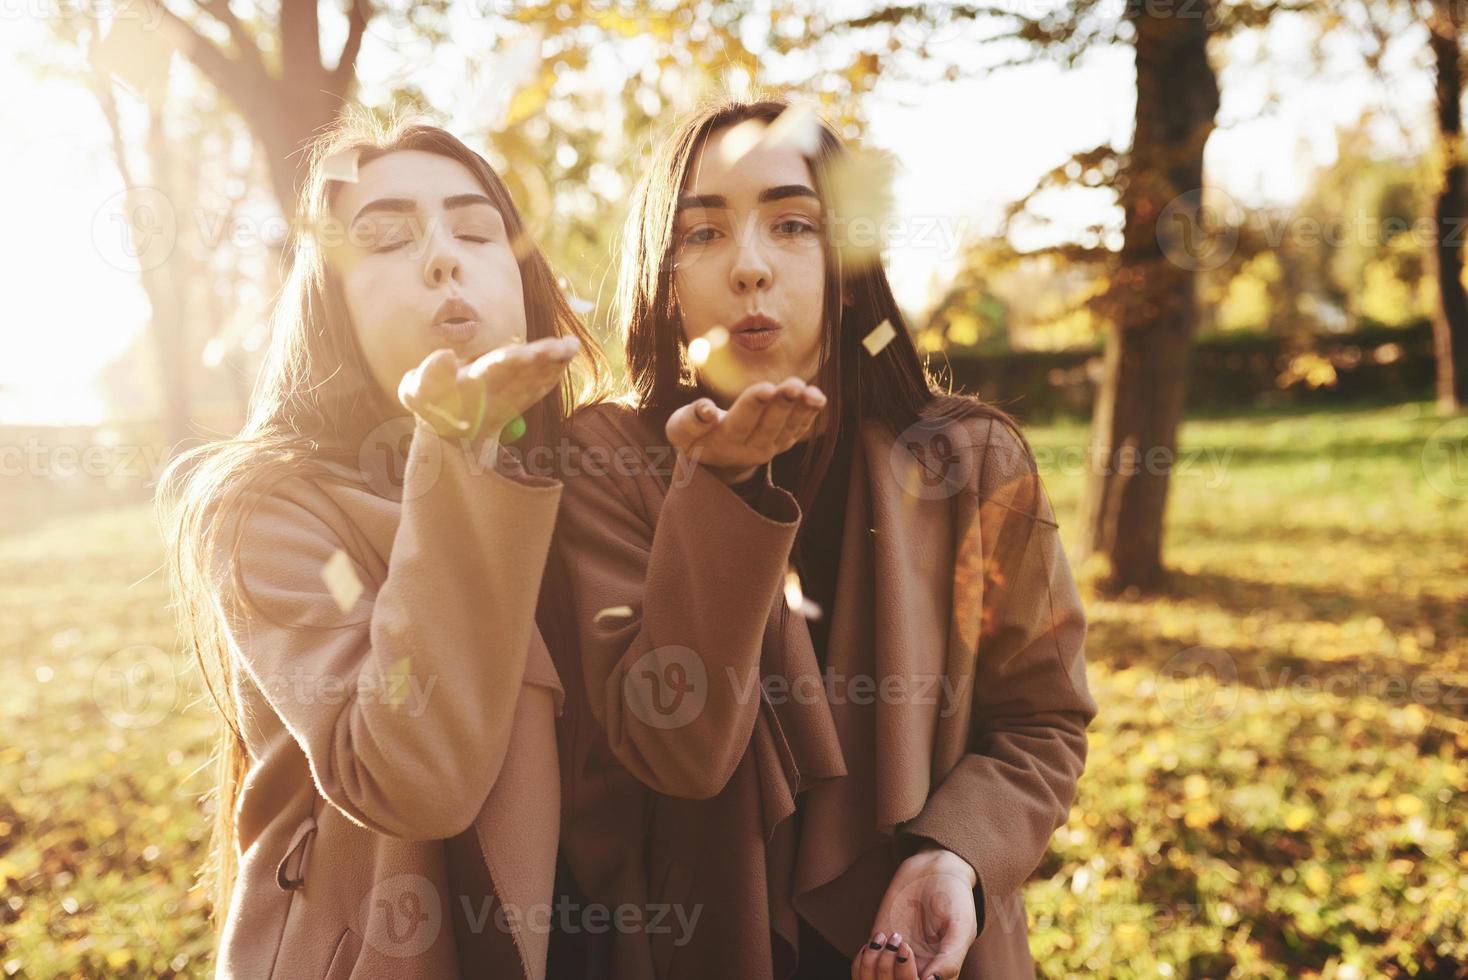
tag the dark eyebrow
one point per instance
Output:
(402, 205)
(784, 191)
(767, 195)
(464, 200)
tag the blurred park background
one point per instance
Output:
(1210, 252)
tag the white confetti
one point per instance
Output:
(798, 127)
(795, 597)
(612, 612)
(341, 166)
(879, 338)
(740, 140)
(341, 580)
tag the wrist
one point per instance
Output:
(732, 475)
(938, 856)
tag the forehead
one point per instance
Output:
(415, 175)
(712, 172)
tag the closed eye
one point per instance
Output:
(700, 236)
(795, 226)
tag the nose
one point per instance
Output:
(441, 265)
(751, 270)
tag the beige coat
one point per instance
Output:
(426, 710)
(680, 774)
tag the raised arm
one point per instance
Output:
(403, 704)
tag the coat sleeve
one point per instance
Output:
(402, 705)
(998, 807)
(671, 608)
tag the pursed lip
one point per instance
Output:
(755, 332)
(456, 319)
(755, 321)
(454, 308)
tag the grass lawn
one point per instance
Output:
(1276, 780)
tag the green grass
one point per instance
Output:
(1305, 817)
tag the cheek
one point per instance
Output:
(806, 278)
(701, 289)
(374, 303)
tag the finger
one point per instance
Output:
(747, 410)
(777, 415)
(870, 955)
(887, 959)
(797, 426)
(946, 962)
(438, 374)
(906, 965)
(692, 422)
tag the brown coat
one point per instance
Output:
(949, 575)
(425, 711)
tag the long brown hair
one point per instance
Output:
(313, 403)
(894, 386)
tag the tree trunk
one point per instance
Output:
(1151, 303)
(1450, 319)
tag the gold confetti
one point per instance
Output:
(341, 580)
(798, 127)
(861, 203)
(341, 166)
(795, 597)
(138, 56)
(701, 348)
(739, 140)
(398, 679)
(879, 338)
(611, 613)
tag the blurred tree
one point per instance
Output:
(1450, 209)
(270, 68)
(1381, 23)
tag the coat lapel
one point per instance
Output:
(888, 653)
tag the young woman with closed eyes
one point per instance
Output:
(856, 777)
(358, 572)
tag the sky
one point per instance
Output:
(71, 300)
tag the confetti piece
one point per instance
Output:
(700, 349)
(138, 56)
(341, 166)
(861, 203)
(739, 140)
(703, 351)
(879, 338)
(798, 127)
(510, 69)
(795, 597)
(514, 430)
(612, 612)
(341, 580)
(581, 307)
(399, 677)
